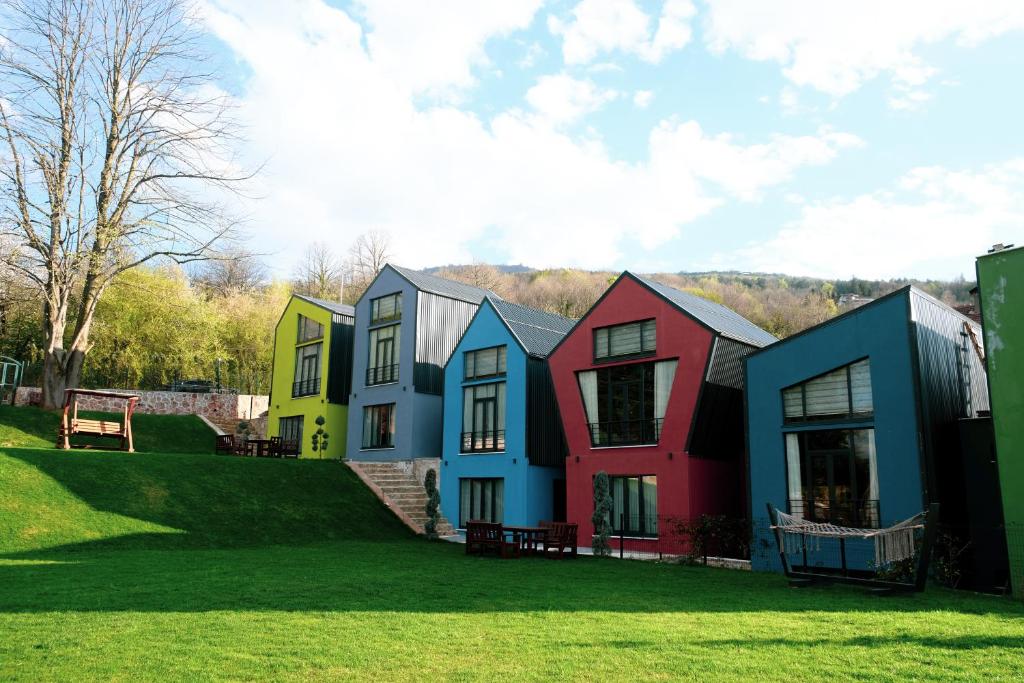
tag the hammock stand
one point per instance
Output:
(890, 544)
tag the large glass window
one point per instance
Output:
(626, 404)
(832, 476)
(309, 330)
(619, 341)
(384, 355)
(379, 426)
(481, 500)
(290, 431)
(842, 394)
(307, 370)
(483, 417)
(386, 308)
(634, 505)
(485, 363)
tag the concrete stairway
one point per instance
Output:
(396, 486)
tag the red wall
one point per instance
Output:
(687, 487)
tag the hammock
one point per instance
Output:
(892, 544)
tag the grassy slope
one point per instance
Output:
(203, 567)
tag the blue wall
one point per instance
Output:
(411, 408)
(528, 489)
(879, 331)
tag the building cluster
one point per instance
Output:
(689, 408)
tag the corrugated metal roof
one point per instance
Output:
(539, 331)
(333, 306)
(722, 319)
(443, 287)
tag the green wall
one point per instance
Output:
(281, 402)
(1001, 293)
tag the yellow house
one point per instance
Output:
(312, 377)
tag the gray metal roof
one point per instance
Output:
(722, 319)
(333, 306)
(443, 287)
(539, 331)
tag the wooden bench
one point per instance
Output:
(225, 444)
(483, 536)
(560, 539)
(72, 425)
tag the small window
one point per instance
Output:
(385, 352)
(307, 370)
(386, 308)
(309, 330)
(290, 431)
(634, 505)
(842, 394)
(481, 500)
(379, 426)
(624, 341)
(485, 363)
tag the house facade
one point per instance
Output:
(503, 446)
(856, 421)
(650, 389)
(1001, 295)
(407, 325)
(312, 375)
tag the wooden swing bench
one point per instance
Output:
(72, 425)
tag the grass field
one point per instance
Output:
(172, 566)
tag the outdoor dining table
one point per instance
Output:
(257, 447)
(529, 538)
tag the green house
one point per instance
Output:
(312, 376)
(1001, 295)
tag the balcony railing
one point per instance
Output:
(381, 375)
(858, 514)
(483, 442)
(306, 387)
(625, 432)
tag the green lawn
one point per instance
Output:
(167, 567)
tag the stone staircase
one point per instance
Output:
(399, 489)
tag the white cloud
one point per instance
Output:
(599, 26)
(931, 224)
(349, 150)
(642, 98)
(562, 99)
(836, 46)
(533, 53)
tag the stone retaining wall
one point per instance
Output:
(219, 408)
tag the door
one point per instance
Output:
(558, 500)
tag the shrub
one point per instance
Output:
(433, 504)
(602, 513)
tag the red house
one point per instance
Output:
(650, 389)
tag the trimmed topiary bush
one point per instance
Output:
(602, 513)
(433, 504)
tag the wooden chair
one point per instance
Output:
(560, 539)
(483, 536)
(72, 425)
(289, 448)
(275, 447)
(225, 444)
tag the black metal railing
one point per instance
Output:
(859, 514)
(382, 375)
(483, 442)
(306, 387)
(625, 432)
(634, 525)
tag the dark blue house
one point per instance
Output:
(856, 421)
(503, 446)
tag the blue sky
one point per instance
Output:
(874, 139)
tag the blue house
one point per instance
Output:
(407, 324)
(504, 450)
(855, 421)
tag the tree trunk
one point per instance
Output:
(54, 381)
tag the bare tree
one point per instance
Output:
(233, 271)
(367, 256)
(319, 272)
(116, 146)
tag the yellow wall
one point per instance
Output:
(281, 402)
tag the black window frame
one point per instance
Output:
(386, 373)
(375, 318)
(482, 481)
(500, 362)
(308, 369)
(848, 417)
(300, 339)
(492, 440)
(861, 513)
(629, 530)
(287, 432)
(649, 427)
(390, 441)
(611, 358)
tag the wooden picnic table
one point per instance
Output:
(529, 538)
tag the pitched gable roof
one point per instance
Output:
(538, 331)
(333, 306)
(443, 287)
(722, 319)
